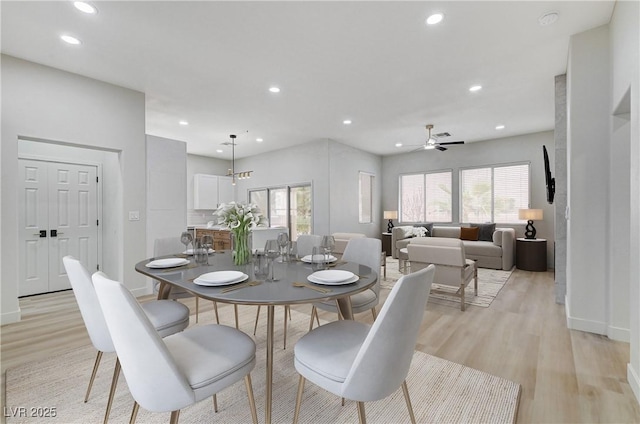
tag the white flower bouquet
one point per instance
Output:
(240, 219)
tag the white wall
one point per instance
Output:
(588, 181)
(201, 165)
(44, 103)
(625, 80)
(524, 148)
(166, 189)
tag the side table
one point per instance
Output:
(386, 243)
(531, 254)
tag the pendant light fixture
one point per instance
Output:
(232, 172)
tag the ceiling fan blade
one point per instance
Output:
(442, 149)
(451, 142)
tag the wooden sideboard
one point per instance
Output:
(221, 238)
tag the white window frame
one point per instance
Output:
(424, 194)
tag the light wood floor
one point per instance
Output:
(566, 376)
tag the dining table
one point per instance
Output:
(253, 291)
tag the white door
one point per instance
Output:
(58, 217)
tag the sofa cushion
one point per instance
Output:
(404, 231)
(451, 232)
(428, 226)
(481, 248)
(469, 233)
(486, 231)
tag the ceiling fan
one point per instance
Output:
(433, 143)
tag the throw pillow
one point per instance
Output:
(485, 231)
(428, 226)
(469, 233)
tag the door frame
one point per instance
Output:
(54, 159)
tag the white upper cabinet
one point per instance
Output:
(211, 190)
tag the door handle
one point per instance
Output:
(42, 233)
(54, 233)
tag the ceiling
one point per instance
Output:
(375, 63)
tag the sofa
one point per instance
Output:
(496, 250)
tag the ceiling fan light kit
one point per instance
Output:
(433, 143)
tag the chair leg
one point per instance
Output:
(215, 402)
(112, 391)
(197, 309)
(361, 415)
(235, 311)
(405, 390)
(215, 309)
(314, 311)
(93, 375)
(298, 399)
(374, 313)
(252, 401)
(255, 327)
(462, 305)
(134, 412)
(475, 278)
(175, 415)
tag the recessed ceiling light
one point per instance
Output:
(85, 7)
(499, 127)
(398, 144)
(434, 19)
(69, 39)
(219, 150)
(259, 140)
(184, 123)
(548, 18)
(474, 88)
(274, 89)
(347, 122)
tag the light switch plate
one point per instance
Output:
(134, 215)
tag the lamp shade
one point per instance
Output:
(390, 214)
(530, 214)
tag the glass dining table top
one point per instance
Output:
(280, 292)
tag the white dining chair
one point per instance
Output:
(166, 316)
(180, 370)
(306, 243)
(367, 363)
(364, 251)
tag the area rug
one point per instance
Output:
(490, 282)
(441, 391)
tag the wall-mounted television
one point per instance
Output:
(550, 181)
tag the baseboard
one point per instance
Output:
(619, 334)
(9, 317)
(142, 291)
(573, 323)
(633, 377)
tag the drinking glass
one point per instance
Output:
(328, 244)
(207, 241)
(186, 238)
(292, 248)
(260, 266)
(201, 252)
(271, 251)
(318, 262)
(283, 239)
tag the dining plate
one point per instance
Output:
(339, 283)
(332, 276)
(220, 278)
(308, 259)
(190, 252)
(167, 263)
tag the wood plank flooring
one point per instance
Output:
(566, 376)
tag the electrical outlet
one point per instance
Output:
(134, 215)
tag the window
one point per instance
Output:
(365, 206)
(288, 206)
(494, 194)
(426, 197)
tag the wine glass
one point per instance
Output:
(283, 239)
(207, 241)
(186, 238)
(271, 251)
(328, 244)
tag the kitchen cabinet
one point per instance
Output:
(211, 190)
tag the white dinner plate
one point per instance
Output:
(167, 263)
(339, 283)
(332, 276)
(220, 278)
(309, 260)
(190, 252)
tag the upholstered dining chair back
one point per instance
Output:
(306, 243)
(383, 361)
(153, 378)
(88, 303)
(446, 254)
(365, 251)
